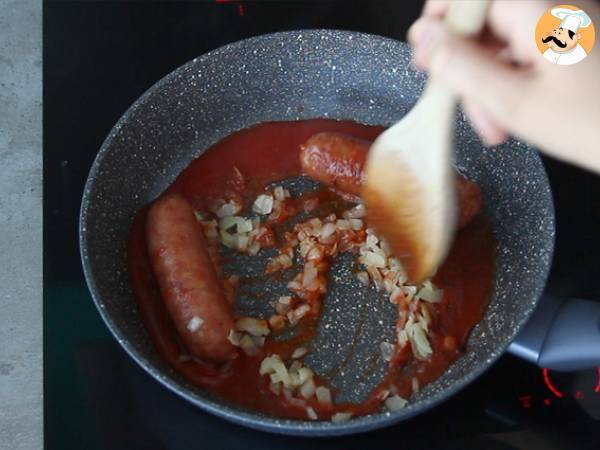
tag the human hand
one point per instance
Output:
(507, 87)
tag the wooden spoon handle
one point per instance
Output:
(466, 17)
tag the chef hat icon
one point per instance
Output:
(570, 19)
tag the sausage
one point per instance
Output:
(335, 159)
(338, 160)
(187, 279)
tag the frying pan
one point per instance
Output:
(290, 76)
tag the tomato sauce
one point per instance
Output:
(239, 167)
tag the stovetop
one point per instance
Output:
(98, 58)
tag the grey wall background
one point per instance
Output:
(21, 224)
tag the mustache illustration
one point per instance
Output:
(556, 41)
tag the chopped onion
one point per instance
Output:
(363, 277)
(277, 321)
(307, 390)
(254, 248)
(248, 346)
(294, 285)
(358, 212)
(323, 395)
(409, 291)
(263, 204)
(229, 240)
(194, 324)
(327, 230)
(310, 412)
(356, 224)
(418, 341)
(305, 374)
(267, 365)
(310, 204)
(285, 300)
(429, 293)
(372, 259)
(282, 308)
(230, 208)
(256, 327)
(279, 193)
(299, 352)
(343, 224)
(414, 382)
(395, 403)
(241, 224)
(341, 417)
(296, 365)
(234, 337)
(309, 275)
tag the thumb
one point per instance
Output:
(471, 71)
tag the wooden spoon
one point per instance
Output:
(410, 187)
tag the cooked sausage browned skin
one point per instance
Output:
(338, 160)
(187, 279)
(335, 159)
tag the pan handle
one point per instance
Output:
(561, 335)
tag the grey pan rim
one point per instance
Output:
(232, 414)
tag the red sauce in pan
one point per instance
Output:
(267, 153)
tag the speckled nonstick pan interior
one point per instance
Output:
(290, 76)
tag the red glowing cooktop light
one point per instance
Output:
(549, 384)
